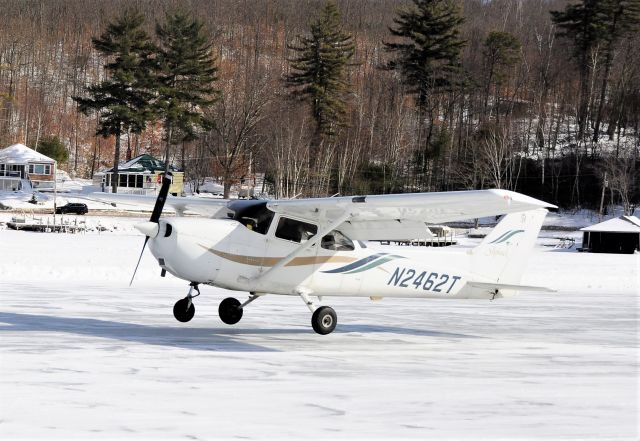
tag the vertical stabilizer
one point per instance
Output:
(502, 256)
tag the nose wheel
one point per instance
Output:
(184, 309)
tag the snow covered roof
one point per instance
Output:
(141, 164)
(623, 224)
(21, 154)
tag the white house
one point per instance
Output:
(22, 168)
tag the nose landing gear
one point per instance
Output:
(184, 309)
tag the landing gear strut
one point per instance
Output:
(324, 318)
(184, 309)
(230, 309)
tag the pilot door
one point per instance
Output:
(286, 235)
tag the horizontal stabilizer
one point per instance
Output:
(499, 286)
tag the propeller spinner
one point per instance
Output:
(150, 228)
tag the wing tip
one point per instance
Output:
(513, 196)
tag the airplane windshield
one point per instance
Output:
(253, 214)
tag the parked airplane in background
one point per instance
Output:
(312, 248)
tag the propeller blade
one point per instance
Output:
(146, 239)
(167, 178)
(162, 197)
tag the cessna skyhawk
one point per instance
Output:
(313, 248)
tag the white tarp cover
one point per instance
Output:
(624, 224)
(21, 154)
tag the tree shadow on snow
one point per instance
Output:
(205, 339)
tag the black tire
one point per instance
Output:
(181, 312)
(230, 311)
(324, 320)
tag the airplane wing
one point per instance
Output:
(377, 217)
(405, 216)
(204, 206)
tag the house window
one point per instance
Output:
(139, 181)
(39, 169)
(2, 169)
(295, 230)
(122, 180)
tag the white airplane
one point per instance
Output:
(313, 248)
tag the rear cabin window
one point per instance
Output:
(295, 230)
(336, 241)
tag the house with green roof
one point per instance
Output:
(140, 175)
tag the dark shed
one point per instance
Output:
(620, 236)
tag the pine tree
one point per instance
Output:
(185, 78)
(581, 23)
(620, 18)
(319, 71)
(588, 25)
(428, 55)
(123, 99)
(501, 52)
(53, 148)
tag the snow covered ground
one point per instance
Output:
(84, 356)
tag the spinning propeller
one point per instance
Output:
(150, 229)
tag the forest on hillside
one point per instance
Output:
(536, 96)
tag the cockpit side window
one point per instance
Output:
(336, 241)
(295, 230)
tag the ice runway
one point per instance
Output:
(83, 356)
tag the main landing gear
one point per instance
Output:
(230, 309)
(324, 319)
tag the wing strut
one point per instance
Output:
(304, 246)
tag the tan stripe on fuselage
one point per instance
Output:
(271, 261)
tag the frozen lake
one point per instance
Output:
(84, 356)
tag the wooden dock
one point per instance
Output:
(47, 225)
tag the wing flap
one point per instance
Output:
(499, 286)
(395, 229)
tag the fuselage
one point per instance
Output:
(233, 255)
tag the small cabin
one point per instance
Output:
(140, 175)
(22, 168)
(620, 235)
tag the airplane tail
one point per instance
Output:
(501, 259)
